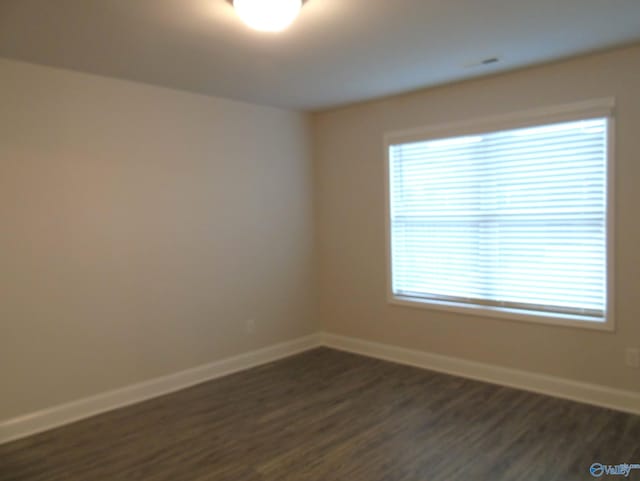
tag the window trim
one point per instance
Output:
(603, 107)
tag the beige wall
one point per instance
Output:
(349, 163)
(139, 228)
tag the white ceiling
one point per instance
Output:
(337, 52)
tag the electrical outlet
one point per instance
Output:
(632, 356)
(250, 326)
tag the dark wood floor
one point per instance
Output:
(330, 416)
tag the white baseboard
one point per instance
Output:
(626, 401)
(57, 416)
(13, 429)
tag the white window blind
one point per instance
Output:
(513, 219)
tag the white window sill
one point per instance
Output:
(509, 314)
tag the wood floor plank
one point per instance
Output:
(326, 415)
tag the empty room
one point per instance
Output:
(319, 240)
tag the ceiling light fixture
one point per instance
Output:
(268, 15)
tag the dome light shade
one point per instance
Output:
(268, 15)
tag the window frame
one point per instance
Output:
(603, 108)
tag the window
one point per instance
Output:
(507, 218)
